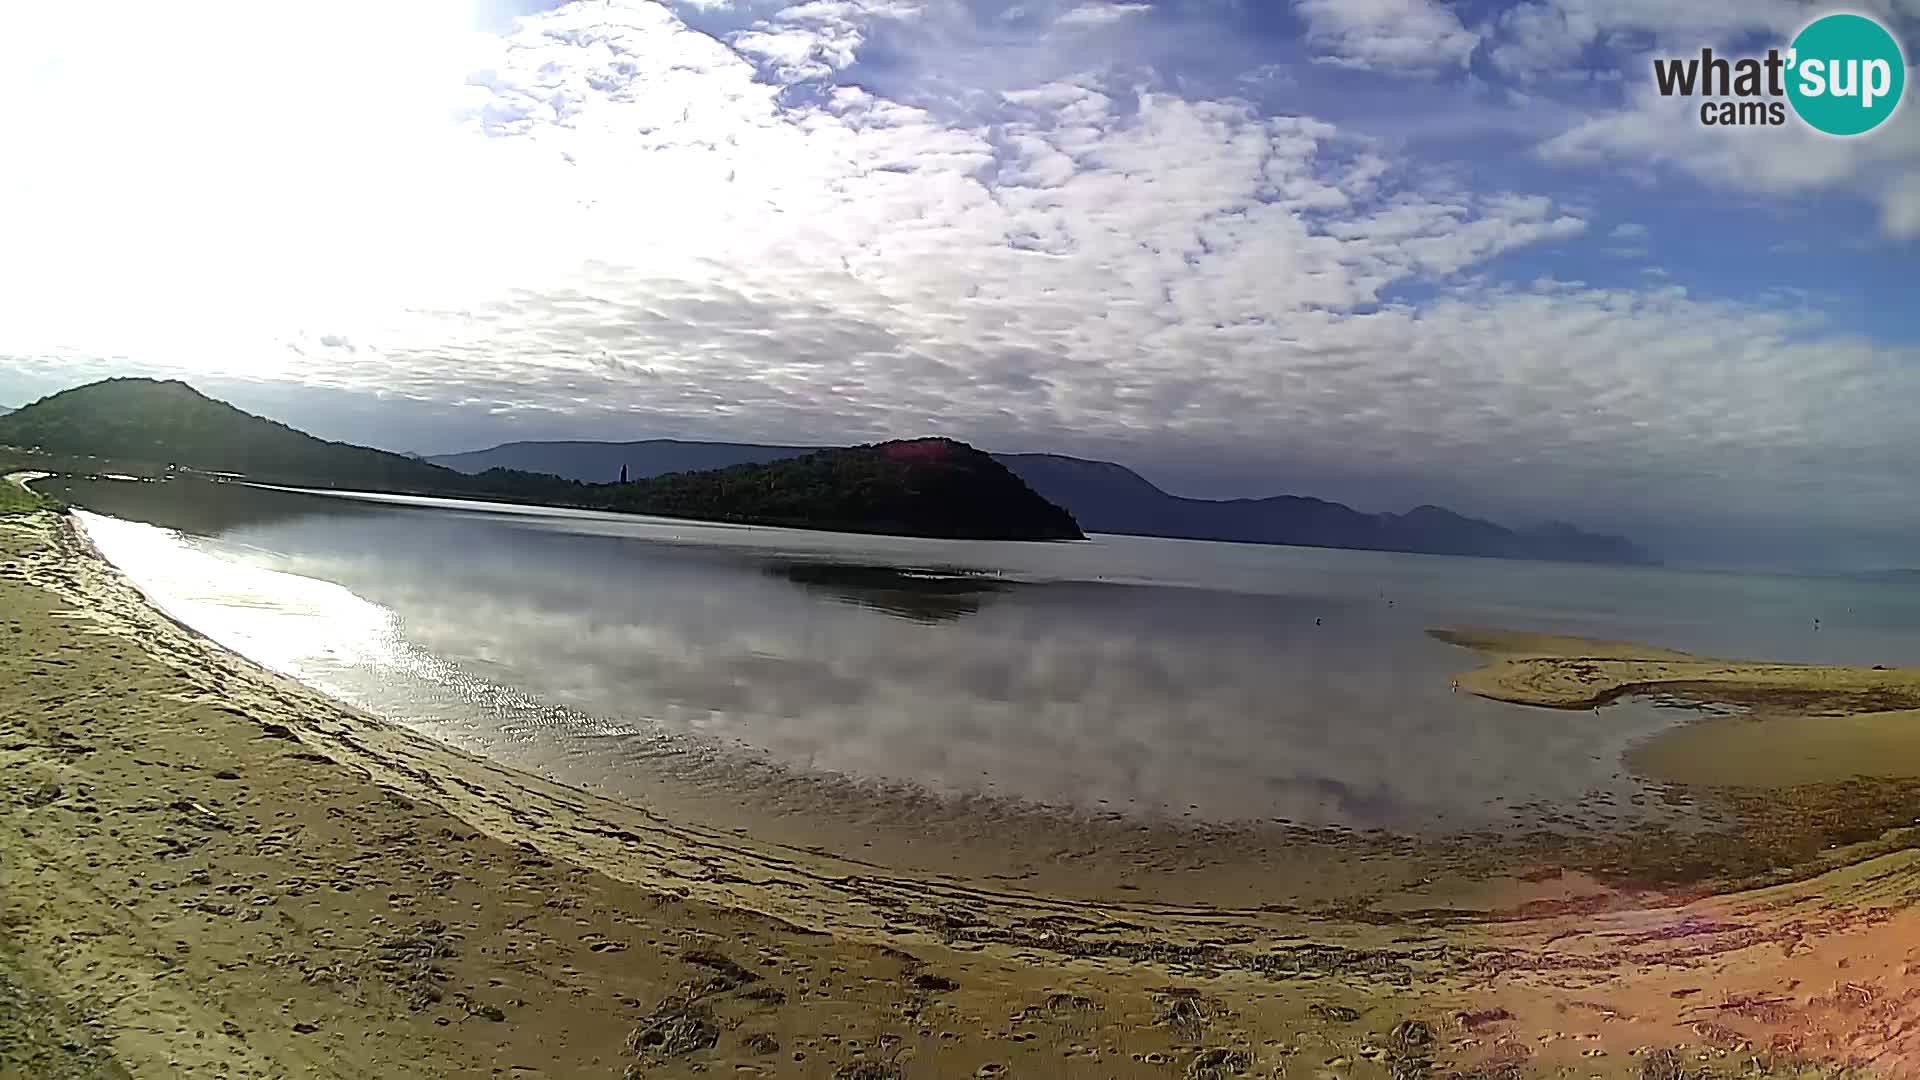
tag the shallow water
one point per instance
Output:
(1158, 678)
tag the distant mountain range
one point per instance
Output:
(601, 462)
(1110, 498)
(1888, 577)
(924, 487)
(950, 493)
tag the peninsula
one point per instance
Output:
(1106, 497)
(920, 487)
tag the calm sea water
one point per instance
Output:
(1153, 677)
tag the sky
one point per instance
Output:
(1381, 251)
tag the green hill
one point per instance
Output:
(155, 423)
(926, 487)
(919, 487)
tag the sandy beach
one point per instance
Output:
(207, 870)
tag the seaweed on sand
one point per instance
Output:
(678, 1025)
(1219, 1063)
(1186, 1011)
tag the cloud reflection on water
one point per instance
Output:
(1100, 696)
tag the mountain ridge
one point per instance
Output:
(1105, 496)
(927, 487)
(1898, 575)
(591, 461)
(1108, 497)
(168, 422)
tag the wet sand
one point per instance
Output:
(211, 871)
(1581, 673)
(1783, 751)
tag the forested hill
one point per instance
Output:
(926, 487)
(149, 422)
(919, 487)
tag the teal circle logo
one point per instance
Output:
(1845, 74)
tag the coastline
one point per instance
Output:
(392, 896)
(1776, 725)
(1557, 672)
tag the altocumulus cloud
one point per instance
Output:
(1394, 36)
(1547, 39)
(603, 219)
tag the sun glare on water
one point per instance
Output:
(294, 625)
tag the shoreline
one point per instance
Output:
(1767, 725)
(1635, 838)
(1556, 672)
(1062, 849)
(118, 716)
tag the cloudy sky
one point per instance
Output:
(1383, 251)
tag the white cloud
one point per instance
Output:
(1538, 38)
(1544, 39)
(1628, 240)
(1789, 160)
(815, 39)
(798, 54)
(1101, 13)
(1900, 206)
(1406, 37)
(631, 220)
